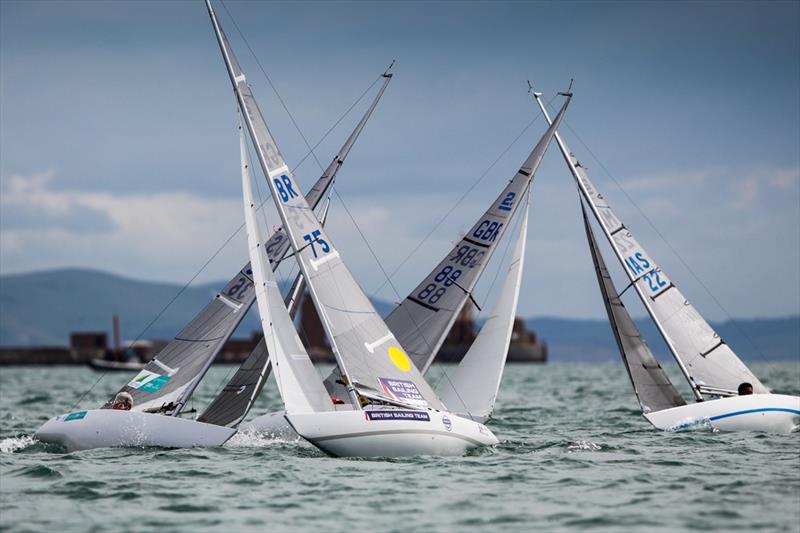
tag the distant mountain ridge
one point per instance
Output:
(43, 308)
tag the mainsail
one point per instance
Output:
(708, 363)
(233, 402)
(472, 389)
(371, 360)
(653, 388)
(298, 382)
(166, 381)
(421, 321)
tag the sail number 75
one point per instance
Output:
(313, 238)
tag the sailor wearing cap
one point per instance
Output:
(123, 402)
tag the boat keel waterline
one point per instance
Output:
(772, 413)
(107, 428)
(391, 433)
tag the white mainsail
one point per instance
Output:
(708, 363)
(652, 386)
(371, 360)
(472, 389)
(298, 382)
(423, 320)
(235, 399)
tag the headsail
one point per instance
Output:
(368, 355)
(707, 362)
(472, 389)
(421, 322)
(650, 383)
(234, 401)
(299, 384)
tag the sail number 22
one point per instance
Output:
(638, 263)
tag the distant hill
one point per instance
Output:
(42, 308)
(755, 339)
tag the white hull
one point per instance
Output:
(367, 434)
(106, 428)
(774, 413)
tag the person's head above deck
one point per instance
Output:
(745, 389)
(123, 402)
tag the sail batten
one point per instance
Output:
(685, 331)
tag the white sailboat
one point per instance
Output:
(712, 369)
(392, 411)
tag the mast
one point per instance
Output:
(269, 157)
(582, 187)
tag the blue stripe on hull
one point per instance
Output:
(727, 415)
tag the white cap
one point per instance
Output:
(124, 397)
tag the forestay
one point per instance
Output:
(299, 384)
(421, 321)
(711, 366)
(653, 388)
(472, 389)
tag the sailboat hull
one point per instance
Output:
(773, 413)
(391, 433)
(107, 428)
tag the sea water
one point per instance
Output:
(575, 453)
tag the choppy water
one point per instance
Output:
(574, 454)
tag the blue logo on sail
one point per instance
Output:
(147, 381)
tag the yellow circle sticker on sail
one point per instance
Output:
(399, 359)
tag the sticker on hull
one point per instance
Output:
(403, 390)
(419, 416)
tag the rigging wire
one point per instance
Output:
(667, 242)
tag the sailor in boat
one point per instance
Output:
(745, 389)
(123, 402)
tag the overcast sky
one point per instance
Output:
(118, 142)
